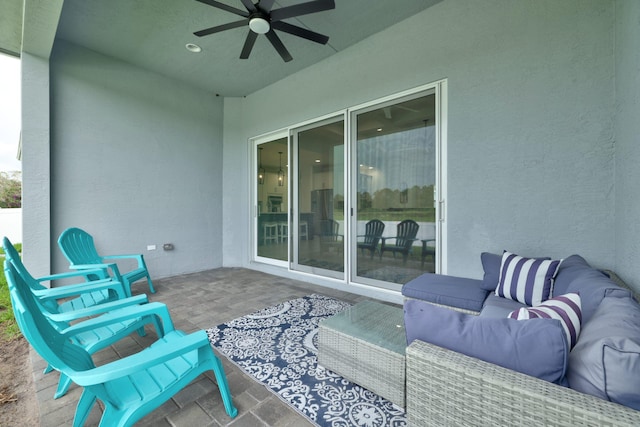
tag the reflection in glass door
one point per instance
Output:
(394, 173)
(272, 204)
(319, 163)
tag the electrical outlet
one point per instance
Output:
(151, 247)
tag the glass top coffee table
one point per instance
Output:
(366, 344)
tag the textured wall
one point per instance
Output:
(531, 103)
(36, 251)
(135, 161)
(628, 141)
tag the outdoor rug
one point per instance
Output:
(277, 347)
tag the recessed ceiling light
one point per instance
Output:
(379, 129)
(317, 160)
(191, 47)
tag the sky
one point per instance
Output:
(9, 113)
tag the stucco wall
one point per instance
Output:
(135, 161)
(628, 141)
(36, 251)
(530, 132)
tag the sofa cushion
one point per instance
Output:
(538, 348)
(565, 308)
(568, 271)
(446, 290)
(606, 360)
(491, 266)
(593, 285)
(498, 307)
(527, 280)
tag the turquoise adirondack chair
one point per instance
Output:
(78, 247)
(87, 294)
(130, 387)
(124, 316)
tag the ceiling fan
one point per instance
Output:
(262, 20)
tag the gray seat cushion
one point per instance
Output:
(447, 290)
(498, 307)
(606, 360)
(534, 347)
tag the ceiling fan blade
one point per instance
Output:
(248, 44)
(249, 5)
(302, 9)
(265, 5)
(222, 27)
(300, 32)
(277, 44)
(223, 6)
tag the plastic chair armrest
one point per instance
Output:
(152, 309)
(147, 358)
(67, 275)
(80, 288)
(97, 309)
(98, 267)
(138, 257)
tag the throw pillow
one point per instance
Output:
(535, 348)
(527, 280)
(606, 360)
(491, 266)
(565, 308)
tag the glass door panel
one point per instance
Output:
(319, 198)
(272, 204)
(394, 173)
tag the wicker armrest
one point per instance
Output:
(447, 388)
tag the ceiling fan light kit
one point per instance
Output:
(259, 25)
(262, 20)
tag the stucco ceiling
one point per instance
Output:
(152, 34)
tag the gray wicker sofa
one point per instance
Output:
(447, 387)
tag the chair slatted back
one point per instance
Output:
(13, 256)
(54, 348)
(373, 232)
(407, 232)
(78, 247)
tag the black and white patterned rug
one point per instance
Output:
(277, 347)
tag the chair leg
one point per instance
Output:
(85, 404)
(63, 386)
(151, 289)
(223, 386)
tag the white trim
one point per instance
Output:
(441, 175)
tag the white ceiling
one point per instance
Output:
(152, 34)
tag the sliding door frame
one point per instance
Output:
(255, 235)
(350, 183)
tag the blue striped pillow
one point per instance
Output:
(566, 308)
(526, 280)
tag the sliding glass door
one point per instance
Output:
(394, 181)
(357, 196)
(271, 220)
(319, 198)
